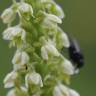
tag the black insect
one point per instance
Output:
(75, 53)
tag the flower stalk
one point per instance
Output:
(39, 68)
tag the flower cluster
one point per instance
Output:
(39, 68)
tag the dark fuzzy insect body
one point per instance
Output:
(75, 54)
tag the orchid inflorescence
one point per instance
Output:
(39, 68)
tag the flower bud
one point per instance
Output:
(8, 15)
(33, 79)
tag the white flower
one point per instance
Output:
(62, 38)
(52, 18)
(52, 6)
(61, 90)
(33, 79)
(44, 53)
(49, 48)
(67, 67)
(15, 92)
(10, 79)
(59, 11)
(47, 24)
(52, 50)
(65, 39)
(46, 1)
(11, 93)
(25, 8)
(8, 15)
(73, 93)
(12, 32)
(50, 21)
(37, 94)
(20, 58)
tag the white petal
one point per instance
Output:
(23, 36)
(68, 67)
(57, 92)
(51, 49)
(44, 53)
(17, 30)
(65, 39)
(11, 93)
(60, 90)
(8, 15)
(10, 79)
(8, 34)
(20, 57)
(17, 57)
(12, 32)
(46, 1)
(73, 93)
(63, 89)
(36, 94)
(33, 78)
(17, 67)
(60, 12)
(47, 24)
(25, 8)
(53, 18)
(24, 58)
(22, 91)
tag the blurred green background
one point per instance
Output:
(80, 21)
